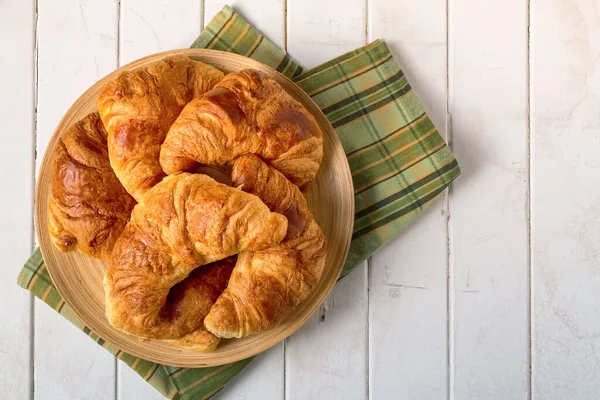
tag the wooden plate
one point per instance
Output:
(78, 277)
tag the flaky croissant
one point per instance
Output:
(199, 291)
(265, 286)
(247, 112)
(185, 221)
(138, 108)
(88, 206)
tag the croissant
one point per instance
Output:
(185, 221)
(88, 206)
(199, 291)
(138, 108)
(247, 112)
(265, 286)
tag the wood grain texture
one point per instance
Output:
(330, 197)
(264, 378)
(17, 102)
(318, 31)
(408, 283)
(148, 27)
(77, 44)
(488, 101)
(131, 386)
(566, 198)
(329, 358)
(488, 222)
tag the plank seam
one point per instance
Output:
(450, 297)
(118, 33)
(366, 21)
(117, 382)
(449, 260)
(368, 333)
(285, 25)
(529, 205)
(202, 12)
(285, 386)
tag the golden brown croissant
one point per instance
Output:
(265, 286)
(138, 108)
(185, 221)
(199, 291)
(88, 206)
(247, 112)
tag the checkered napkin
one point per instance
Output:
(399, 164)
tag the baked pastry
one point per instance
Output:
(88, 206)
(247, 112)
(195, 260)
(265, 286)
(199, 291)
(182, 223)
(138, 108)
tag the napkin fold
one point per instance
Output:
(398, 159)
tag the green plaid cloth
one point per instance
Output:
(399, 164)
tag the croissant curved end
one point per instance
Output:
(223, 320)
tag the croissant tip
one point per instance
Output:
(222, 320)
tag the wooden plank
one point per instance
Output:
(148, 28)
(267, 16)
(565, 198)
(488, 100)
(17, 98)
(151, 27)
(415, 32)
(408, 282)
(76, 46)
(131, 386)
(264, 378)
(328, 357)
(318, 31)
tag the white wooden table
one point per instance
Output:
(492, 294)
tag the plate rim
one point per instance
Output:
(41, 207)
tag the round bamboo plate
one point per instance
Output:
(78, 277)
